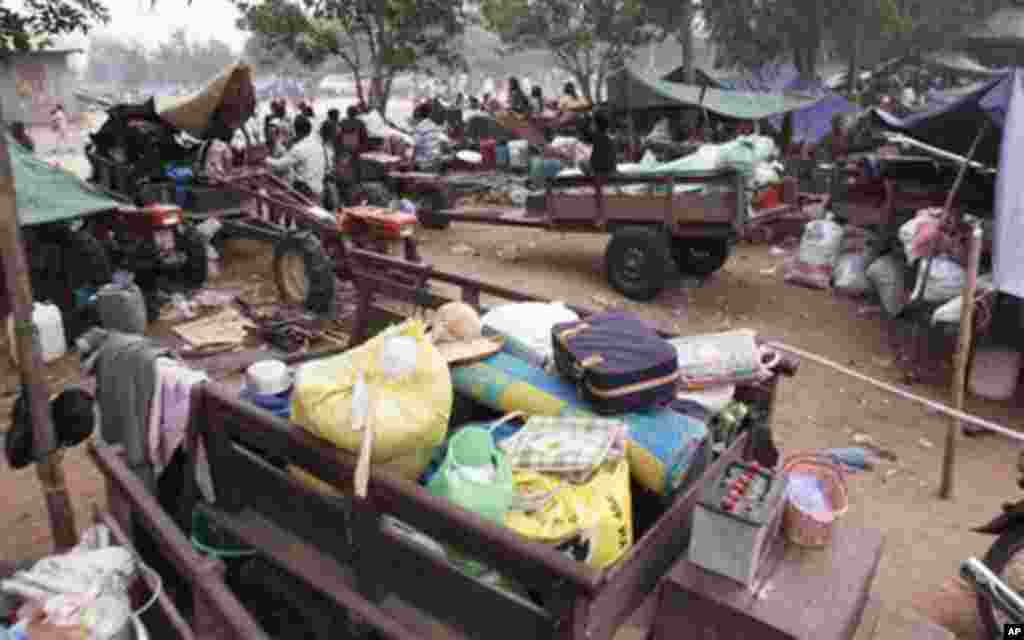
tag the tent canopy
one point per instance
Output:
(46, 193)
(231, 93)
(955, 124)
(810, 123)
(632, 89)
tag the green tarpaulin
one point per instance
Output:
(631, 89)
(50, 194)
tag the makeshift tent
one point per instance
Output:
(953, 127)
(47, 193)
(230, 94)
(632, 89)
(811, 123)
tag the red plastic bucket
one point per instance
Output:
(814, 529)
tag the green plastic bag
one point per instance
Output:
(476, 476)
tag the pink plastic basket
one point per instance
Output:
(815, 529)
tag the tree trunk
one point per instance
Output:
(19, 290)
(853, 63)
(583, 80)
(685, 36)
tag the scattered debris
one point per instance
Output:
(509, 252)
(869, 310)
(888, 474)
(463, 250)
(770, 272)
(926, 443)
(885, 363)
(601, 300)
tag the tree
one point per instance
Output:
(36, 22)
(374, 39)
(678, 17)
(115, 61)
(588, 38)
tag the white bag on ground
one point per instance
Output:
(945, 279)
(888, 276)
(851, 277)
(949, 313)
(819, 249)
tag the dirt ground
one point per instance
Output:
(927, 537)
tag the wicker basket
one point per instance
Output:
(815, 530)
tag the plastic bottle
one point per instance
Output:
(50, 331)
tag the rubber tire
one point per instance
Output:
(656, 268)
(197, 265)
(319, 270)
(996, 558)
(376, 194)
(715, 254)
(428, 207)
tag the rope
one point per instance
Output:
(931, 404)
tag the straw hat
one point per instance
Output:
(457, 332)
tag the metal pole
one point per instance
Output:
(19, 289)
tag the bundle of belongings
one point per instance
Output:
(928, 265)
(592, 413)
(134, 134)
(83, 593)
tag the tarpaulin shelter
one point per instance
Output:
(954, 127)
(47, 194)
(230, 95)
(630, 89)
(810, 123)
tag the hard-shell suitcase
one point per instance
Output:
(618, 361)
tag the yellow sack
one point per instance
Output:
(599, 512)
(409, 414)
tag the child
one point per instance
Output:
(59, 124)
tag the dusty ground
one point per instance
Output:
(926, 537)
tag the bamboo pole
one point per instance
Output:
(19, 290)
(963, 356)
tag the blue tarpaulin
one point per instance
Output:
(276, 87)
(810, 124)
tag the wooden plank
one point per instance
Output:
(633, 579)
(321, 571)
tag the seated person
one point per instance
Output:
(429, 141)
(304, 161)
(517, 100)
(570, 101)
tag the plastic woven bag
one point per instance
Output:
(410, 414)
(598, 514)
(889, 279)
(851, 276)
(819, 249)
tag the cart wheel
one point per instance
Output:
(638, 261)
(700, 257)
(197, 263)
(303, 271)
(428, 210)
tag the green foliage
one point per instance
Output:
(586, 37)
(373, 38)
(36, 21)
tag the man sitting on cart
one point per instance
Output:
(304, 161)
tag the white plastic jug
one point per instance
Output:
(518, 153)
(50, 325)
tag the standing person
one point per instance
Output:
(602, 158)
(275, 119)
(329, 133)
(517, 100)
(428, 141)
(353, 139)
(59, 124)
(537, 99)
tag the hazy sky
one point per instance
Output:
(204, 19)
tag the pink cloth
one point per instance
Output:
(168, 424)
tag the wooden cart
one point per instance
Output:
(348, 552)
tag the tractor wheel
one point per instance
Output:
(428, 210)
(638, 261)
(702, 256)
(304, 272)
(196, 268)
